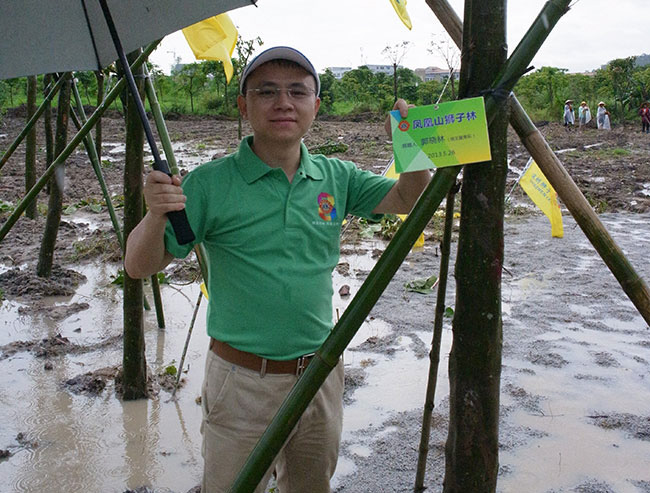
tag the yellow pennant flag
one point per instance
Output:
(213, 39)
(400, 8)
(392, 173)
(540, 191)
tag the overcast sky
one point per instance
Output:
(355, 32)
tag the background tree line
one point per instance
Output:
(200, 88)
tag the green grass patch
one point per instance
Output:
(611, 153)
(6, 206)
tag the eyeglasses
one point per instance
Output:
(271, 93)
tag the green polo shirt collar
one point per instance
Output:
(252, 168)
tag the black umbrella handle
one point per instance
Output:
(181, 225)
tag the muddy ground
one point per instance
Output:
(610, 168)
(557, 295)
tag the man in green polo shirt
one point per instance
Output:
(269, 217)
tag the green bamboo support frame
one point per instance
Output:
(72, 145)
(329, 353)
(633, 285)
(32, 121)
(89, 144)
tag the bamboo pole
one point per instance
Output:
(72, 145)
(159, 119)
(328, 354)
(32, 121)
(633, 285)
(94, 160)
(187, 344)
(157, 300)
(434, 354)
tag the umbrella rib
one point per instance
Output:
(92, 35)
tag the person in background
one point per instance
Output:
(269, 217)
(584, 114)
(569, 118)
(644, 113)
(602, 117)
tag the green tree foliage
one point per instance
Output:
(543, 92)
(619, 74)
(327, 83)
(201, 88)
(191, 80)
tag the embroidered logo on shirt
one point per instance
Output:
(326, 209)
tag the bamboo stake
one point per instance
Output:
(159, 119)
(157, 300)
(328, 354)
(72, 145)
(633, 285)
(32, 121)
(434, 354)
(187, 343)
(94, 160)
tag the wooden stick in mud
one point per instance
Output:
(187, 343)
(434, 354)
(633, 285)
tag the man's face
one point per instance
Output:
(274, 114)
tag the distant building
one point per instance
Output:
(338, 72)
(381, 69)
(434, 73)
(177, 68)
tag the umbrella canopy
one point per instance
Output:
(45, 36)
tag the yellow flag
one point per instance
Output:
(392, 173)
(400, 8)
(542, 193)
(213, 39)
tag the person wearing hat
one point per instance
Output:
(602, 117)
(269, 217)
(569, 118)
(644, 113)
(584, 114)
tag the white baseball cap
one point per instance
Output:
(279, 53)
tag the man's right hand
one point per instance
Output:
(163, 193)
(145, 248)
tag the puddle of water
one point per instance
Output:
(393, 383)
(606, 373)
(188, 155)
(100, 443)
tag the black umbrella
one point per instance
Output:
(44, 36)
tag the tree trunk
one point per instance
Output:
(30, 146)
(55, 202)
(99, 75)
(475, 358)
(394, 82)
(134, 363)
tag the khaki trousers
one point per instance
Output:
(238, 405)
